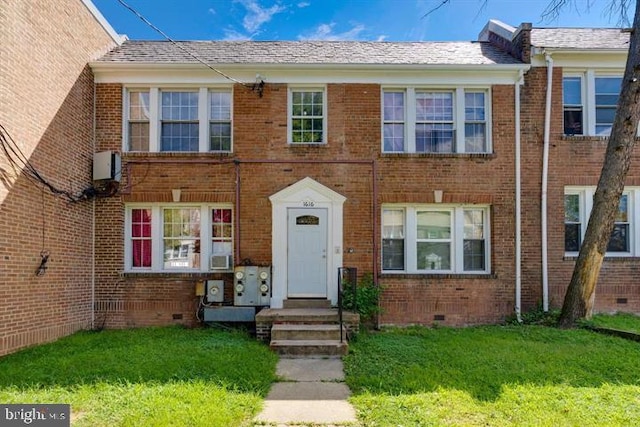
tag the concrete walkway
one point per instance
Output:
(311, 391)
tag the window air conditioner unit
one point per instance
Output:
(220, 262)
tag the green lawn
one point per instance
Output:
(494, 376)
(145, 377)
(621, 321)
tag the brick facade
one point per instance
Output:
(266, 164)
(46, 105)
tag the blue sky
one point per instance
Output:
(390, 20)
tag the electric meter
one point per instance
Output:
(239, 275)
(264, 275)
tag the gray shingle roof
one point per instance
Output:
(310, 52)
(580, 38)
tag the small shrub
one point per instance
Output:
(366, 299)
(536, 316)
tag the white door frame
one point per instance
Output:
(305, 193)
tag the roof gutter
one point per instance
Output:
(128, 65)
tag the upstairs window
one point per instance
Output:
(572, 105)
(190, 120)
(393, 113)
(417, 120)
(434, 122)
(219, 121)
(138, 124)
(179, 126)
(307, 116)
(607, 93)
(590, 100)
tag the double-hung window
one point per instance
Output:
(578, 202)
(171, 120)
(178, 237)
(434, 122)
(179, 129)
(416, 120)
(307, 116)
(393, 114)
(220, 121)
(590, 101)
(435, 239)
(607, 93)
(138, 123)
(572, 105)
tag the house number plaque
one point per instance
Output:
(308, 203)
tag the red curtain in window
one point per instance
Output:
(141, 237)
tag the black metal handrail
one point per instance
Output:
(347, 277)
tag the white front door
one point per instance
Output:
(307, 253)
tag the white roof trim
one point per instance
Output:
(118, 38)
(307, 187)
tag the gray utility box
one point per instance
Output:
(252, 286)
(215, 290)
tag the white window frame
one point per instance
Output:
(211, 121)
(157, 236)
(155, 116)
(588, 93)
(128, 120)
(458, 112)
(586, 204)
(583, 98)
(303, 88)
(457, 237)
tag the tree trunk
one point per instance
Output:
(578, 301)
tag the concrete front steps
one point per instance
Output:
(307, 328)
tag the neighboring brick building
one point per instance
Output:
(587, 67)
(46, 106)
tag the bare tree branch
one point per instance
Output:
(442, 3)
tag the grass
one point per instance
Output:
(494, 376)
(621, 321)
(145, 377)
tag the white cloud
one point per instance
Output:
(381, 38)
(232, 35)
(303, 4)
(257, 15)
(325, 32)
(212, 11)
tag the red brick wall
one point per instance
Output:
(46, 104)
(487, 179)
(268, 164)
(572, 161)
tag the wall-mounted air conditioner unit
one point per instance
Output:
(220, 262)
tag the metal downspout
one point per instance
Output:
(93, 221)
(545, 180)
(518, 305)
